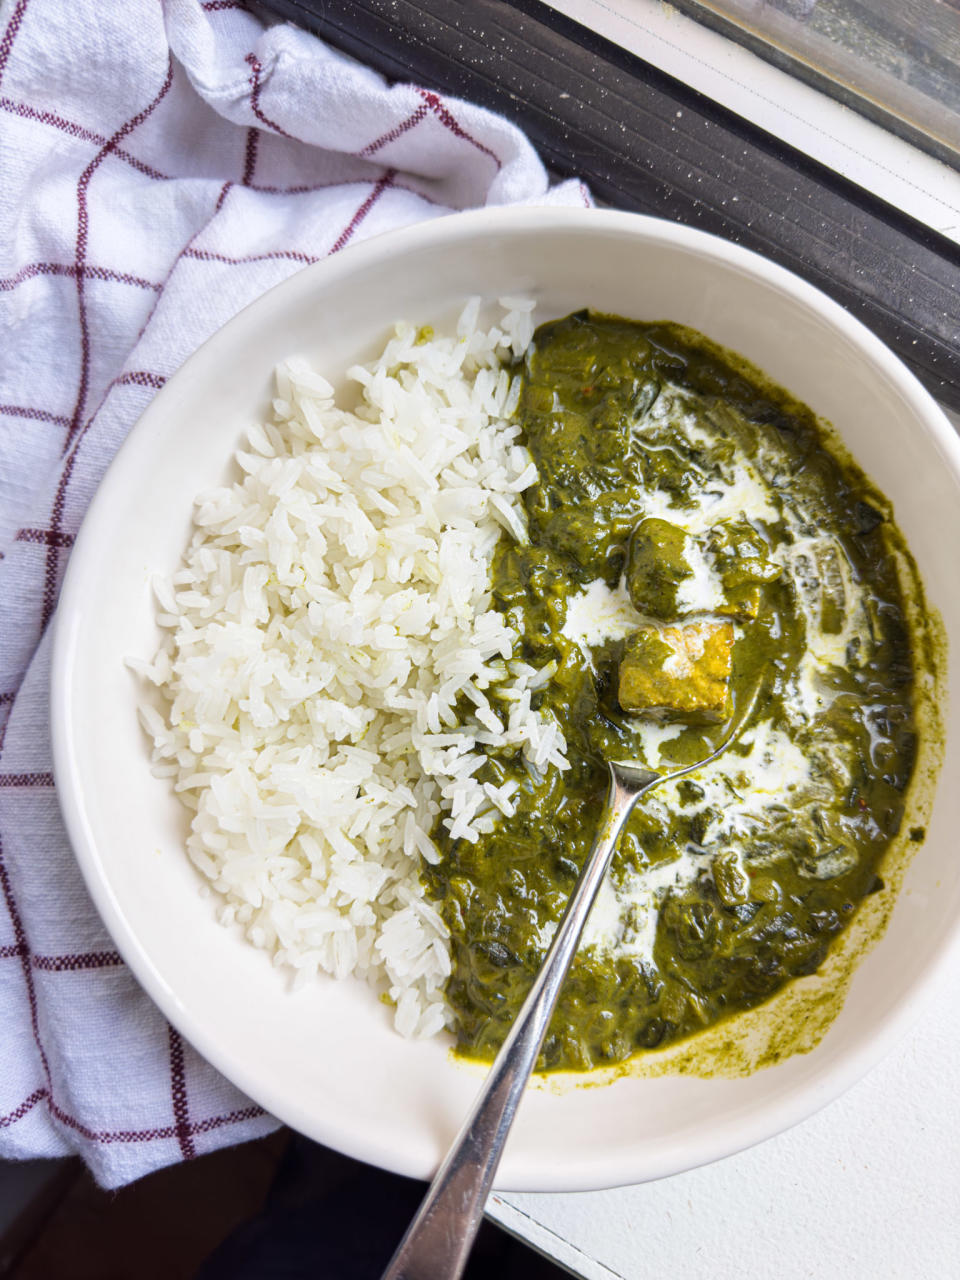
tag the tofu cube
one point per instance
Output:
(679, 673)
(656, 564)
(741, 558)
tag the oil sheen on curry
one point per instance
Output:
(690, 533)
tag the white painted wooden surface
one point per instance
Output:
(868, 1189)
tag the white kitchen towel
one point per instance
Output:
(161, 165)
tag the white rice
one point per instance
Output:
(333, 665)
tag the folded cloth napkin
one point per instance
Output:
(162, 166)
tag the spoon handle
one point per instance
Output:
(438, 1240)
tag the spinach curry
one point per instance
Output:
(690, 533)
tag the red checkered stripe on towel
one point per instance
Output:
(112, 302)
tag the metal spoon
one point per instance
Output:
(438, 1240)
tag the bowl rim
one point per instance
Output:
(82, 565)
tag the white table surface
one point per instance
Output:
(867, 1189)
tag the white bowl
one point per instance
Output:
(325, 1060)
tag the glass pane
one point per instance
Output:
(897, 61)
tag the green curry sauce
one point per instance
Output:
(726, 885)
